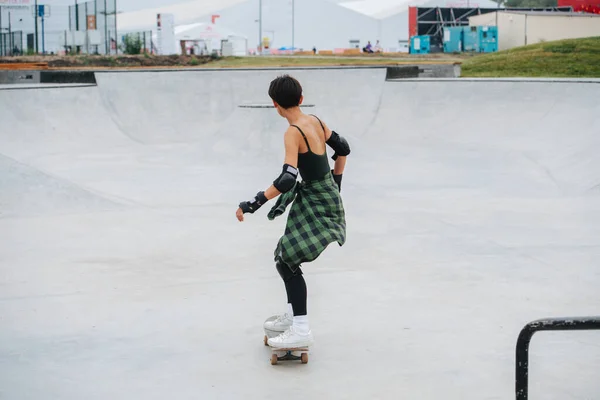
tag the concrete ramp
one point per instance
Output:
(473, 207)
(515, 137)
(165, 107)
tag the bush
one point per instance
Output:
(132, 44)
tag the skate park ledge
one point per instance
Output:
(48, 76)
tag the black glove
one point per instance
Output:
(338, 180)
(255, 204)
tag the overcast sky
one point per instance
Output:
(368, 7)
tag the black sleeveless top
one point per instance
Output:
(312, 166)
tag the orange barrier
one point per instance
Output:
(22, 66)
(352, 51)
(326, 52)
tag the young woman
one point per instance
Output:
(316, 217)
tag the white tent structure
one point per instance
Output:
(320, 23)
(203, 38)
(184, 13)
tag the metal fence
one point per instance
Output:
(11, 44)
(100, 16)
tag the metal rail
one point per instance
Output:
(548, 324)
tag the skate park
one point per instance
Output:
(473, 208)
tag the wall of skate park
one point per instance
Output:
(425, 70)
(40, 77)
(210, 101)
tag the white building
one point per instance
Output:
(519, 28)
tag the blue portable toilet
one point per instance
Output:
(471, 38)
(453, 39)
(420, 44)
(480, 39)
(488, 39)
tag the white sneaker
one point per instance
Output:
(291, 339)
(278, 323)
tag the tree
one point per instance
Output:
(133, 44)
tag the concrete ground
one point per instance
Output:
(473, 207)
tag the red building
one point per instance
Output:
(589, 6)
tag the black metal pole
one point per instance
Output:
(43, 33)
(522, 362)
(549, 324)
(1, 35)
(116, 34)
(36, 28)
(106, 39)
(10, 38)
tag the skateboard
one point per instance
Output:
(289, 354)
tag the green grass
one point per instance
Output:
(291, 61)
(574, 58)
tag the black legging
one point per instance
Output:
(296, 294)
(295, 286)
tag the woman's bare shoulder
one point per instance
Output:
(291, 134)
(320, 123)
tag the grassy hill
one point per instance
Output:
(573, 58)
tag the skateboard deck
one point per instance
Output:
(289, 353)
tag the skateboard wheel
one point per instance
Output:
(273, 359)
(266, 340)
(304, 358)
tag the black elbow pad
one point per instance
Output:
(339, 144)
(287, 179)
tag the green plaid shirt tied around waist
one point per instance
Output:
(316, 219)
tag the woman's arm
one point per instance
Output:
(292, 145)
(337, 142)
(341, 148)
(284, 181)
(339, 165)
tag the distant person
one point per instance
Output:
(378, 48)
(368, 48)
(316, 217)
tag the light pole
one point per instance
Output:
(1, 35)
(293, 46)
(106, 38)
(10, 38)
(116, 34)
(260, 26)
(76, 16)
(36, 28)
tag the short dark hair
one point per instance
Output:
(285, 91)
